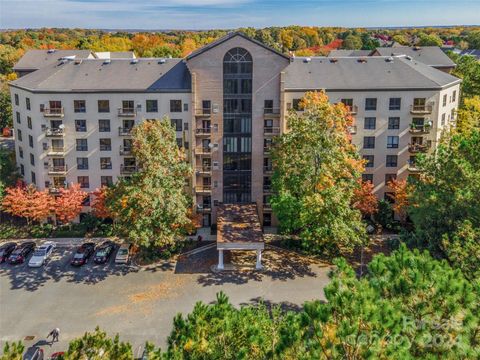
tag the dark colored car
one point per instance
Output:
(19, 255)
(6, 250)
(33, 353)
(57, 355)
(82, 254)
(103, 252)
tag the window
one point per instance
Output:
(390, 178)
(391, 160)
(29, 122)
(105, 163)
(106, 180)
(27, 103)
(105, 144)
(81, 145)
(443, 119)
(103, 106)
(175, 105)
(19, 134)
(177, 124)
(17, 101)
(32, 160)
(82, 163)
(370, 123)
(444, 103)
(392, 142)
(20, 152)
(185, 126)
(452, 114)
(395, 103)
(83, 181)
(30, 141)
(152, 105)
(179, 142)
(371, 104)
(104, 125)
(268, 106)
(369, 160)
(17, 115)
(22, 169)
(81, 125)
(185, 107)
(369, 142)
(367, 177)
(128, 106)
(34, 178)
(454, 95)
(393, 123)
(79, 106)
(297, 106)
(347, 102)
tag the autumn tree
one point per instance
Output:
(364, 199)
(68, 205)
(13, 351)
(469, 115)
(151, 208)
(28, 202)
(401, 190)
(98, 203)
(316, 171)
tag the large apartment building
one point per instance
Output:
(227, 102)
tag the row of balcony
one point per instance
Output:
(60, 151)
(414, 109)
(60, 131)
(267, 130)
(60, 113)
(206, 208)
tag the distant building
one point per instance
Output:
(471, 52)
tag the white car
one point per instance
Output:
(123, 254)
(41, 255)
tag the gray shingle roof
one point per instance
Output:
(37, 59)
(377, 73)
(429, 55)
(95, 75)
(344, 52)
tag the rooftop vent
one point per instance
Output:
(389, 59)
(134, 61)
(50, 51)
(362, 61)
(333, 61)
(67, 58)
(162, 61)
(307, 60)
(78, 62)
(107, 61)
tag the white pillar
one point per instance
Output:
(258, 265)
(220, 260)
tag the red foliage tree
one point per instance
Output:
(28, 202)
(401, 190)
(364, 199)
(69, 204)
(98, 204)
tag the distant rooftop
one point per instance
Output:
(429, 55)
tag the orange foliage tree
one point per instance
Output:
(364, 199)
(28, 202)
(69, 204)
(99, 207)
(401, 190)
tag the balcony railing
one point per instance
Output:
(412, 167)
(53, 112)
(125, 150)
(203, 169)
(267, 207)
(127, 112)
(203, 131)
(128, 169)
(203, 112)
(55, 190)
(267, 149)
(416, 148)
(267, 188)
(420, 128)
(421, 109)
(203, 208)
(352, 110)
(203, 189)
(57, 169)
(56, 150)
(125, 131)
(54, 132)
(269, 111)
(352, 129)
(201, 150)
(267, 169)
(271, 130)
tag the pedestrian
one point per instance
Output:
(55, 333)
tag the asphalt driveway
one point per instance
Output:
(139, 303)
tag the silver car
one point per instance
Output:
(123, 254)
(41, 255)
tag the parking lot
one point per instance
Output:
(137, 302)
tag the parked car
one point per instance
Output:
(33, 353)
(123, 254)
(82, 254)
(19, 255)
(6, 250)
(41, 255)
(103, 252)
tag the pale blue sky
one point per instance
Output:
(209, 14)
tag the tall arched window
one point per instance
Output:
(237, 126)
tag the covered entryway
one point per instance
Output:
(238, 228)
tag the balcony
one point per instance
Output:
(352, 130)
(54, 132)
(421, 109)
(125, 131)
(417, 148)
(201, 150)
(127, 112)
(203, 170)
(204, 112)
(125, 150)
(267, 208)
(56, 151)
(204, 208)
(128, 169)
(412, 167)
(57, 170)
(267, 188)
(267, 149)
(420, 129)
(55, 190)
(53, 112)
(271, 130)
(203, 132)
(352, 110)
(203, 189)
(271, 112)
(267, 169)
